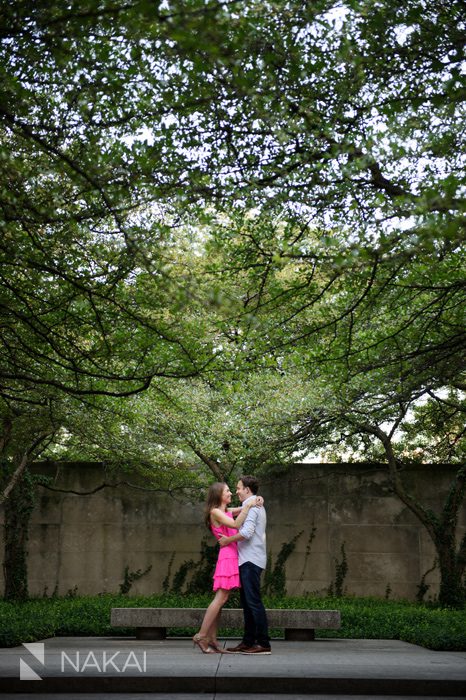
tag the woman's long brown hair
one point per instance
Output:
(214, 500)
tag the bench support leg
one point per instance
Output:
(293, 634)
(151, 632)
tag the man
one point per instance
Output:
(252, 559)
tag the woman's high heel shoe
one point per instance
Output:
(218, 650)
(203, 644)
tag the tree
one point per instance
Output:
(348, 111)
(184, 432)
(371, 336)
(400, 348)
(85, 273)
(340, 123)
(363, 431)
(344, 115)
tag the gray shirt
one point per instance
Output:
(253, 547)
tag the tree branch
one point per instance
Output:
(211, 463)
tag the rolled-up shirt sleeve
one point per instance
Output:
(248, 528)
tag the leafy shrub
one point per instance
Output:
(362, 618)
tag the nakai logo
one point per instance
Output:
(25, 671)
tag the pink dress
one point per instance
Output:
(226, 574)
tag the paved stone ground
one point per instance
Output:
(324, 668)
(208, 696)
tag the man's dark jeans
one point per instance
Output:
(255, 620)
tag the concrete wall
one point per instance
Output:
(86, 541)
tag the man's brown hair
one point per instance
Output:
(250, 482)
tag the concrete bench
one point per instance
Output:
(152, 623)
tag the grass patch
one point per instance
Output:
(362, 618)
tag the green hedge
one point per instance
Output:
(362, 618)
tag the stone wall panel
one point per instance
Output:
(85, 541)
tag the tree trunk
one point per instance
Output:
(211, 463)
(451, 562)
(18, 509)
(14, 478)
(441, 528)
(452, 593)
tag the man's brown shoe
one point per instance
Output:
(239, 648)
(257, 649)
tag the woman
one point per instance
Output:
(221, 522)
